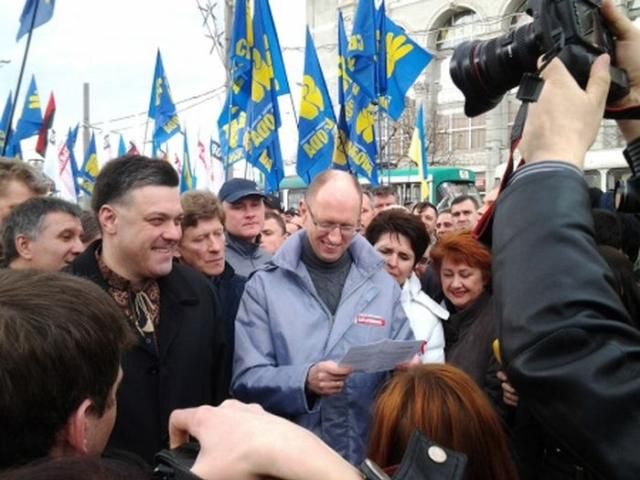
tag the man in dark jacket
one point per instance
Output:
(181, 358)
(565, 338)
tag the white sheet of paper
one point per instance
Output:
(380, 356)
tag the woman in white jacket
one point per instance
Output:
(402, 239)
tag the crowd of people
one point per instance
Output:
(156, 317)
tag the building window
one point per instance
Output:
(458, 133)
(463, 25)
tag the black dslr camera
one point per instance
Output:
(574, 30)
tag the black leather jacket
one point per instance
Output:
(565, 338)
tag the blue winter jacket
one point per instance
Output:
(283, 328)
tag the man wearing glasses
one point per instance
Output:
(323, 292)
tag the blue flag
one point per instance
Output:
(186, 173)
(4, 121)
(381, 48)
(43, 11)
(263, 114)
(90, 168)
(71, 145)
(273, 44)
(161, 107)
(232, 122)
(31, 120)
(361, 52)
(317, 126)
(356, 121)
(405, 61)
(13, 149)
(418, 153)
(122, 149)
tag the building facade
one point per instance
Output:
(480, 143)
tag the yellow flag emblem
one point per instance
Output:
(262, 75)
(397, 49)
(365, 124)
(312, 101)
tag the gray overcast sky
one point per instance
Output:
(112, 45)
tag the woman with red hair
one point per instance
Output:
(463, 265)
(446, 405)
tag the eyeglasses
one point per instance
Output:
(328, 227)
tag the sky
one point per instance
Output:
(112, 46)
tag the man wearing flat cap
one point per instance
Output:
(243, 205)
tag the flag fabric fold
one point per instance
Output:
(361, 52)
(4, 121)
(418, 153)
(122, 149)
(47, 123)
(68, 168)
(43, 11)
(90, 168)
(317, 125)
(161, 107)
(31, 120)
(186, 173)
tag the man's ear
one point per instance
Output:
(77, 429)
(23, 246)
(302, 206)
(108, 219)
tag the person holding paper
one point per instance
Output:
(325, 291)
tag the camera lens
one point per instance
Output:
(485, 70)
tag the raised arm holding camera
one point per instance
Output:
(565, 339)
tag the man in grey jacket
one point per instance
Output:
(324, 291)
(243, 206)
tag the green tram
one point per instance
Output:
(444, 184)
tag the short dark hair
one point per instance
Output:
(90, 226)
(400, 222)
(11, 170)
(384, 191)
(123, 174)
(200, 205)
(27, 219)
(61, 343)
(464, 198)
(278, 219)
(422, 206)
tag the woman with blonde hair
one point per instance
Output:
(448, 407)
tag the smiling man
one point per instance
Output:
(244, 209)
(42, 233)
(181, 357)
(324, 291)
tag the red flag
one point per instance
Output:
(133, 150)
(47, 122)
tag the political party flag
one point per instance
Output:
(4, 121)
(31, 120)
(161, 107)
(263, 113)
(34, 14)
(47, 123)
(418, 153)
(361, 51)
(381, 52)
(90, 167)
(122, 149)
(405, 61)
(186, 173)
(232, 122)
(277, 63)
(317, 124)
(68, 168)
(202, 168)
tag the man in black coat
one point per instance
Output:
(181, 357)
(565, 339)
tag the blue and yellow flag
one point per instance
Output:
(31, 120)
(232, 122)
(36, 12)
(405, 61)
(161, 107)
(277, 63)
(186, 173)
(317, 125)
(263, 113)
(90, 168)
(381, 52)
(72, 136)
(356, 121)
(362, 50)
(4, 121)
(418, 153)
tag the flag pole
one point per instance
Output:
(24, 63)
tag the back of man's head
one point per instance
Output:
(122, 175)
(27, 220)
(61, 340)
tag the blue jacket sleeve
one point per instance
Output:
(257, 376)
